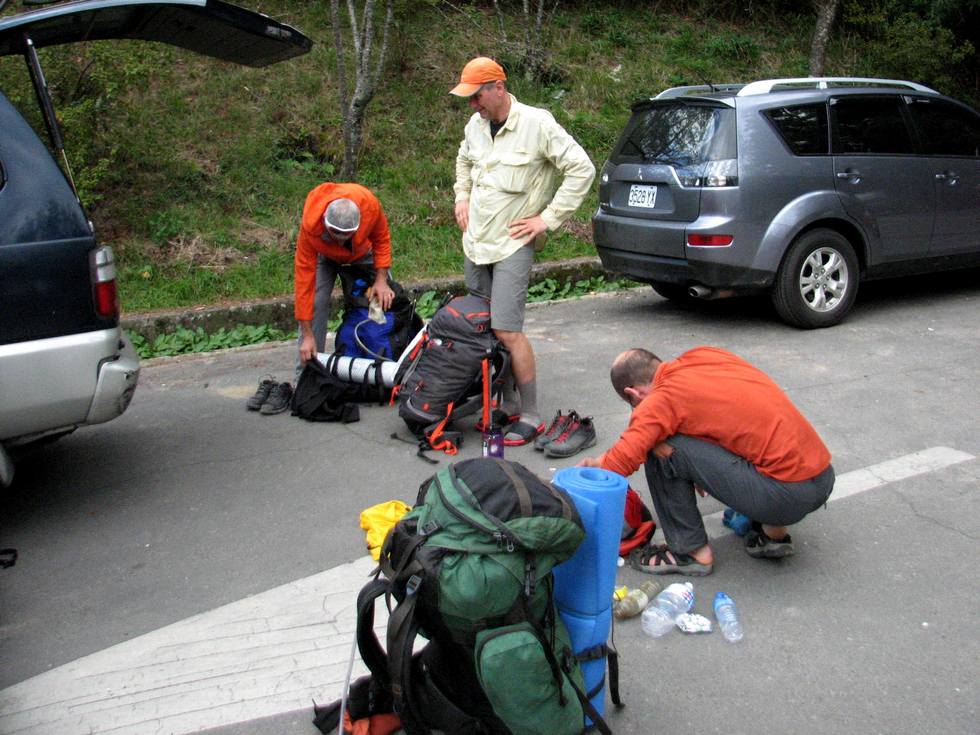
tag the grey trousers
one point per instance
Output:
(730, 479)
(326, 276)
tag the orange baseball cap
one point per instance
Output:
(477, 72)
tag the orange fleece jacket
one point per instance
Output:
(711, 394)
(371, 236)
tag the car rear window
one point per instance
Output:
(802, 127)
(679, 134)
(870, 125)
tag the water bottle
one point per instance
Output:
(727, 618)
(659, 617)
(493, 442)
(375, 313)
(359, 285)
(636, 600)
(740, 524)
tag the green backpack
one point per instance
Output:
(470, 569)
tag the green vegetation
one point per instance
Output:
(182, 340)
(196, 171)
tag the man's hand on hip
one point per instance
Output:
(462, 214)
(527, 229)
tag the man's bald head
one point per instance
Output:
(634, 367)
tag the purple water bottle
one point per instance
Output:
(493, 442)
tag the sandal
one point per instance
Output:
(666, 561)
(520, 433)
(499, 419)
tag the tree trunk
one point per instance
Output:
(367, 72)
(826, 12)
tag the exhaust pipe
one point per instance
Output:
(705, 293)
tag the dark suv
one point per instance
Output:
(64, 361)
(799, 187)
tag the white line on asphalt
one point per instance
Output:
(265, 655)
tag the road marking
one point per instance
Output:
(265, 655)
(858, 481)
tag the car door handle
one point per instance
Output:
(849, 175)
(949, 176)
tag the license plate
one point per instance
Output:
(643, 195)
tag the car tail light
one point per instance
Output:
(723, 172)
(103, 270)
(709, 241)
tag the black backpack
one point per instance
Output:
(443, 379)
(321, 394)
(469, 568)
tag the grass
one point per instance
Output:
(196, 170)
(183, 341)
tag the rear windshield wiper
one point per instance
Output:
(651, 158)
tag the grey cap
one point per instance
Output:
(342, 215)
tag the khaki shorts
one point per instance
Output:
(505, 284)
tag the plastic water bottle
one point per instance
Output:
(740, 524)
(636, 600)
(659, 617)
(375, 313)
(727, 618)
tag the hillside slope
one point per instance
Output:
(196, 171)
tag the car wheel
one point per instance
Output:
(817, 281)
(673, 292)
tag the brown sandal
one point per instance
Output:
(666, 561)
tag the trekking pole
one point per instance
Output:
(343, 694)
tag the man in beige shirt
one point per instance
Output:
(506, 200)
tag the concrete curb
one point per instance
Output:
(278, 312)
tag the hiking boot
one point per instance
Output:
(261, 394)
(558, 423)
(578, 434)
(761, 546)
(279, 399)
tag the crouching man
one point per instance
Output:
(709, 422)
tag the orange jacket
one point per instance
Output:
(714, 395)
(371, 236)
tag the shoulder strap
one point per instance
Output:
(367, 640)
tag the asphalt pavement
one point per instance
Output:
(191, 566)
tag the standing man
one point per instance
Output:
(710, 422)
(342, 224)
(506, 200)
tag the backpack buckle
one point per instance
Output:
(429, 528)
(412, 585)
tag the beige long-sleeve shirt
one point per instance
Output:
(513, 176)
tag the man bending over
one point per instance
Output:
(710, 422)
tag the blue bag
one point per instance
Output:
(359, 336)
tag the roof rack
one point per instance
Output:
(769, 85)
(698, 89)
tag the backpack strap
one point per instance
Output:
(437, 439)
(367, 640)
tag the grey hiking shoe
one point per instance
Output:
(261, 394)
(554, 430)
(279, 400)
(578, 434)
(761, 546)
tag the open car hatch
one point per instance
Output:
(208, 27)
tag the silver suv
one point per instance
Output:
(799, 187)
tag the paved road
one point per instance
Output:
(192, 566)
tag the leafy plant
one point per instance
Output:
(183, 341)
